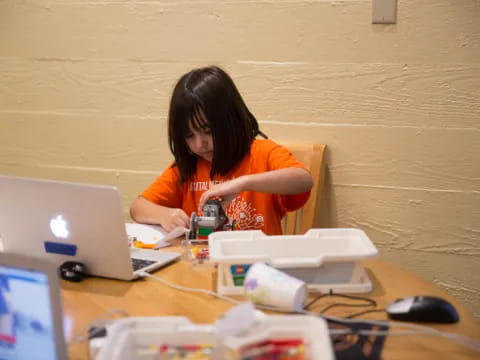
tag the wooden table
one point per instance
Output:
(86, 301)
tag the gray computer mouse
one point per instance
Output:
(422, 308)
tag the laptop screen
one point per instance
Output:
(26, 321)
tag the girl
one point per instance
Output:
(212, 136)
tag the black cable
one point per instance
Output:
(351, 316)
(328, 307)
(370, 302)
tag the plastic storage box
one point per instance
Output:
(326, 259)
(139, 338)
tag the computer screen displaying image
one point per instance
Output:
(26, 321)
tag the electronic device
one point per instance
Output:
(72, 271)
(213, 219)
(424, 309)
(31, 324)
(64, 221)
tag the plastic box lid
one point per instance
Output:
(312, 249)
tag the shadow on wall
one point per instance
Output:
(326, 205)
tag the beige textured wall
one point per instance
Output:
(84, 87)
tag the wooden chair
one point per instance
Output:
(298, 222)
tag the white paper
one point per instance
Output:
(175, 233)
(237, 320)
(148, 234)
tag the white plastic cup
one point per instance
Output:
(266, 285)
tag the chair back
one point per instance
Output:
(312, 155)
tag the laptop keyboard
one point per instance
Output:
(140, 263)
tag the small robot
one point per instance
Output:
(213, 219)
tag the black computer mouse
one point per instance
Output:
(423, 308)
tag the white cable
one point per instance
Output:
(420, 329)
(183, 288)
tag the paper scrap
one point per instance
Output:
(175, 233)
(148, 234)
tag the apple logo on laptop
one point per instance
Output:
(59, 227)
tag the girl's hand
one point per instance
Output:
(227, 191)
(175, 218)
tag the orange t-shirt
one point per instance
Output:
(251, 210)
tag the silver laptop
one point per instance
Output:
(31, 324)
(64, 221)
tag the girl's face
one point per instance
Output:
(200, 142)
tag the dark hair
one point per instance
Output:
(207, 97)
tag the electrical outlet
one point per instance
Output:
(384, 11)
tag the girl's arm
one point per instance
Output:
(144, 211)
(288, 181)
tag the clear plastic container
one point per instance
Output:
(146, 338)
(196, 252)
(326, 259)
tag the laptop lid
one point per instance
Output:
(64, 221)
(30, 310)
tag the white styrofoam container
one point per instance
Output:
(326, 259)
(135, 338)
